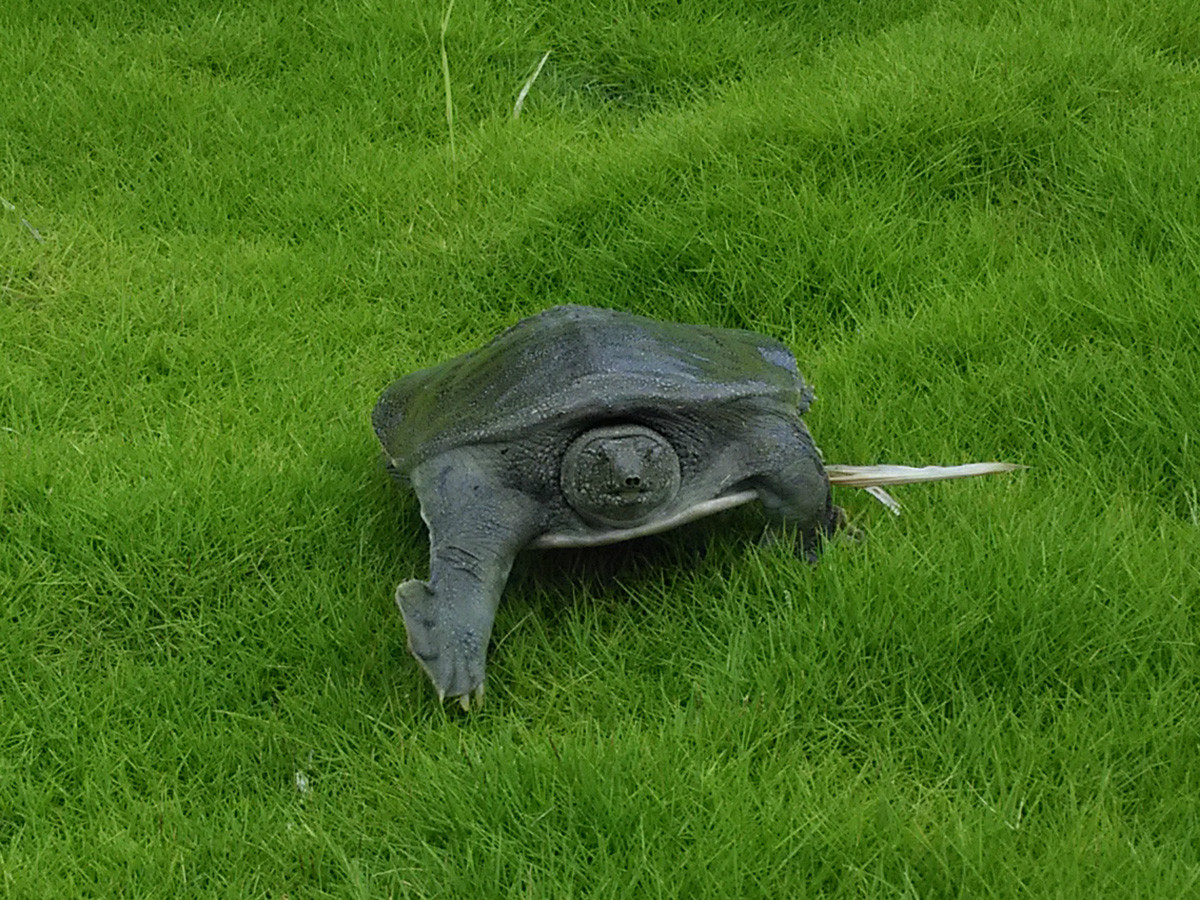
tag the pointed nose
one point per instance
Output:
(627, 463)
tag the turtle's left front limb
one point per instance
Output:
(791, 482)
(477, 525)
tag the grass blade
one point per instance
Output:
(528, 84)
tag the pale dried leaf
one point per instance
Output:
(873, 476)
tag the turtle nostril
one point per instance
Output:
(632, 481)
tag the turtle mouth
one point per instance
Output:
(625, 493)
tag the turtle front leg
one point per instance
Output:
(477, 524)
(793, 486)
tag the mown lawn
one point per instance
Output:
(227, 227)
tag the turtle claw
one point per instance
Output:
(471, 700)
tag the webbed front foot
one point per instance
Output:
(453, 654)
(836, 524)
(810, 543)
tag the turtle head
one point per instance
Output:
(620, 475)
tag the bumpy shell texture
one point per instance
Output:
(576, 365)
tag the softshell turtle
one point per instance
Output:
(579, 427)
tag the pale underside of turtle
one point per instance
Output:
(581, 427)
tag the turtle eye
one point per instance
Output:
(620, 475)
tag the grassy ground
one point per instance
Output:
(228, 227)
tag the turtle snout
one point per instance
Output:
(628, 460)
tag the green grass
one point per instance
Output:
(978, 226)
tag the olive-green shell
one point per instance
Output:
(578, 364)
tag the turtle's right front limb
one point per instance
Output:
(477, 525)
